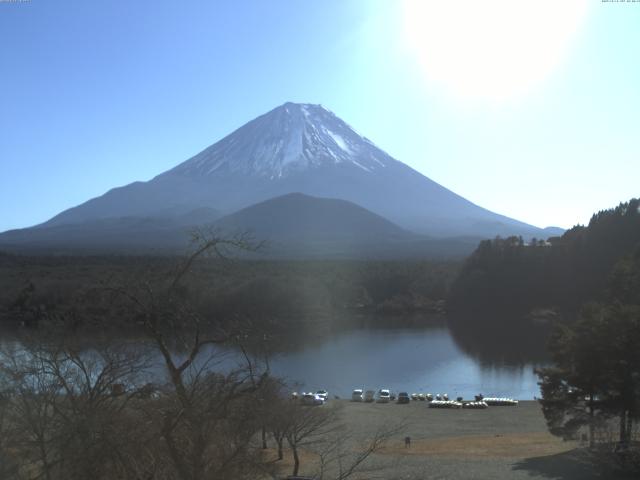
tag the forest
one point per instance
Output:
(518, 283)
(592, 386)
(274, 297)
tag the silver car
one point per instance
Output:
(311, 399)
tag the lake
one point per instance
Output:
(413, 360)
(427, 360)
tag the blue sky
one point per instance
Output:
(531, 113)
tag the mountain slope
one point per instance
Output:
(114, 234)
(299, 148)
(292, 226)
(300, 217)
(298, 225)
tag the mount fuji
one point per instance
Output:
(294, 148)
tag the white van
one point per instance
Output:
(357, 395)
(384, 396)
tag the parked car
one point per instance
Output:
(311, 399)
(323, 394)
(403, 397)
(369, 396)
(357, 395)
(384, 396)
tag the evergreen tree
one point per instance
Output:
(596, 372)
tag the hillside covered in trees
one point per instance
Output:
(511, 284)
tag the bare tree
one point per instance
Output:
(319, 431)
(207, 421)
(306, 426)
(278, 422)
(64, 420)
(340, 460)
(74, 411)
(8, 466)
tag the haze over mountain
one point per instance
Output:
(289, 226)
(113, 234)
(301, 217)
(293, 148)
(300, 225)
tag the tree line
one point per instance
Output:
(593, 385)
(508, 277)
(280, 296)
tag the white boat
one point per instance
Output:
(500, 402)
(475, 405)
(445, 404)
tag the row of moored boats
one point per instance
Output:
(438, 401)
(384, 395)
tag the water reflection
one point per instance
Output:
(427, 359)
(413, 360)
(500, 340)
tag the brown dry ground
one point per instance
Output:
(510, 445)
(496, 443)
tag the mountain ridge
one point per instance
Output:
(298, 148)
(296, 215)
(291, 226)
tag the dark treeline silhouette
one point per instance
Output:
(509, 293)
(508, 278)
(592, 388)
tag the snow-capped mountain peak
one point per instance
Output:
(297, 148)
(289, 138)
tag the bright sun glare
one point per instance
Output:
(491, 49)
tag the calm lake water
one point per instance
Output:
(411, 360)
(426, 360)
